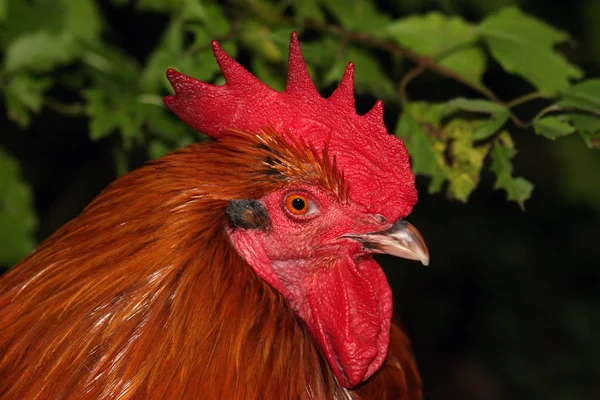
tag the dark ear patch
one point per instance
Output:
(248, 214)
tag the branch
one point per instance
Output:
(524, 99)
(74, 109)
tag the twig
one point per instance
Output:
(524, 99)
(73, 109)
(409, 76)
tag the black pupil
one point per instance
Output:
(298, 204)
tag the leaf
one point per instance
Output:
(215, 21)
(164, 124)
(170, 53)
(193, 10)
(157, 149)
(523, 45)
(24, 18)
(357, 15)
(431, 34)
(41, 51)
(584, 96)
(308, 10)
(24, 94)
(517, 189)
(17, 212)
(272, 75)
(449, 39)
(265, 41)
(426, 154)
(588, 127)
(3, 12)
(470, 62)
(466, 158)
(499, 114)
(53, 40)
(323, 51)
(82, 19)
(553, 127)
(369, 76)
(112, 109)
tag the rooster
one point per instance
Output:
(240, 268)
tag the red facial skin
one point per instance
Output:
(337, 289)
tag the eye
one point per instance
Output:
(300, 205)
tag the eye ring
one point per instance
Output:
(299, 205)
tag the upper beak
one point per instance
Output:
(401, 240)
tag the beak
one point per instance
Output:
(401, 240)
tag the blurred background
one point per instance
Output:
(509, 307)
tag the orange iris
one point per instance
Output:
(297, 204)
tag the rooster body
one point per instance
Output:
(160, 288)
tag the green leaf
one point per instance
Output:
(16, 212)
(523, 45)
(56, 39)
(170, 53)
(470, 62)
(517, 189)
(588, 127)
(426, 154)
(553, 127)
(272, 75)
(112, 109)
(357, 15)
(448, 39)
(157, 149)
(193, 10)
(323, 52)
(3, 11)
(215, 21)
(499, 114)
(370, 76)
(41, 51)
(25, 18)
(584, 96)
(308, 10)
(431, 34)
(82, 19)
(163, 123)
(24, 94)
(265, 41)
(466, 158)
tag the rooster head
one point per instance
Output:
(345, 187)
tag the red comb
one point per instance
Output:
(375, 164)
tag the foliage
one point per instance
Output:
(16, 211)
(452, 141)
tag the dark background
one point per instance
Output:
(509, 307)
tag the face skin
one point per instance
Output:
(317, 252)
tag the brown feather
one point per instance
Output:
(142, 296)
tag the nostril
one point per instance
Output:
(380, 218)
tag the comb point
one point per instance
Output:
(234, 73)
(375, 114)
(343, 95)
(298, 79)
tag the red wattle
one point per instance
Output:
(351, 306)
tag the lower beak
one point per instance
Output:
(401, 240)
